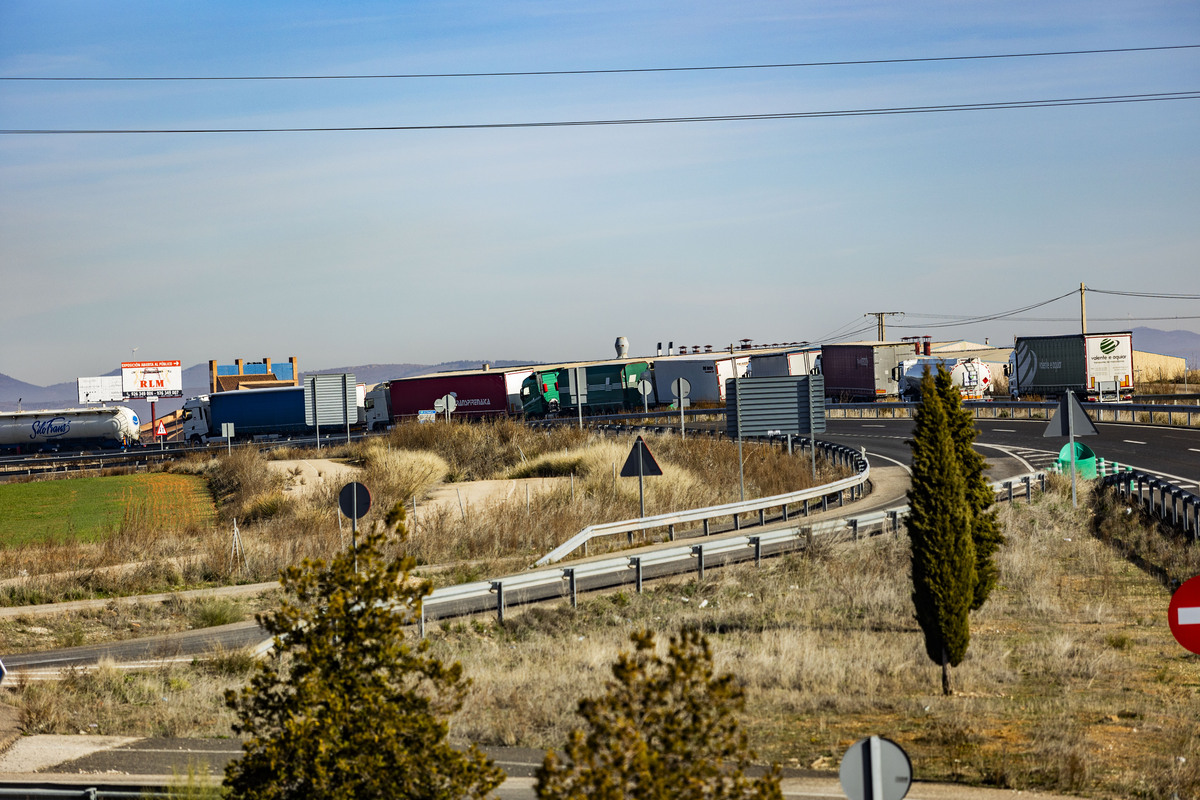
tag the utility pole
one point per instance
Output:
(879, 315)
(1083, 307)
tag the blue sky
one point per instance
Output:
(546, 243)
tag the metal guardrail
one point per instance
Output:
(567, 581)
(1176, 506)
(98, 791)
(1137, 413)
(705, 515)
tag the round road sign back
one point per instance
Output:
(1183, 614)
(680, 387)
(354, 500)
(875, 769)
(645, 387)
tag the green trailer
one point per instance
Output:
(612, 387)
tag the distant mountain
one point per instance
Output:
(1182, 344)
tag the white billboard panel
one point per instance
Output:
(151, 379)
(104, 389)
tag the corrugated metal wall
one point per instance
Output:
(791, 404)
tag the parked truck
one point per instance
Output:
(255, 413)
(611, 387)
(863, 371)
(477, 393)
(1098, 367)
(972, 376)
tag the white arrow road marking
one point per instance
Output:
(1189, 616)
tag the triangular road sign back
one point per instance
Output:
(1068, 415)
(648, 465)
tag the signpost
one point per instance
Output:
(227, 432)
(1070, 420)
(641, 463)
(1183, 615)
(645, 387)
(577, 390)
(445, 404)
(875, 769)
(355, 501)
(680, 388)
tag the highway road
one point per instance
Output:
(1017, 446)
(119, 763)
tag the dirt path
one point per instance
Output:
(303, 475)
(481, 493)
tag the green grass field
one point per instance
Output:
(87, 509)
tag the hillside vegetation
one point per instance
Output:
(1072, 681)
(150, 549)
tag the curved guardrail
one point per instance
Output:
(1176, 506)
(669, 520)
(567, 581)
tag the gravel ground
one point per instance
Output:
(34, 753)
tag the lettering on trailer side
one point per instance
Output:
(50, 428)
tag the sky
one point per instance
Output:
(466, 233)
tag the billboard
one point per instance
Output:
(104, 389)
(151, 380)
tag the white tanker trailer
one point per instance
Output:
(972, 376)
(69, 429)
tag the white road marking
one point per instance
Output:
(874, 426)
(1004, 430)
(1133, 441)
(1194, 449)
(894, 461)
(1189, 616)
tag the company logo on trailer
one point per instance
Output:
(50, 428)
(1107, 346)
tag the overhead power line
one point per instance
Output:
(987, 318)
(860, 112)
(1158, 295)
(621, 71)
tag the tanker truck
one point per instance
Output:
(972, 376)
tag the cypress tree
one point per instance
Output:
(939, 527)
(985, 528)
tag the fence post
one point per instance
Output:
(572, 589)
(706, 531)
(854, 529)
(698, 552)
(636, 563)
(757, 542)
(498, 588)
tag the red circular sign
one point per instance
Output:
(1184, 614)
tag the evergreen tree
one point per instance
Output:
(985, 528)
(939, 527)
(664, 730)
(347, 708)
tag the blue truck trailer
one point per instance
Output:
(253, 412)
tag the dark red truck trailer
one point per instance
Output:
(476, 393)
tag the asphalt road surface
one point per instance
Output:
(148, 763)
